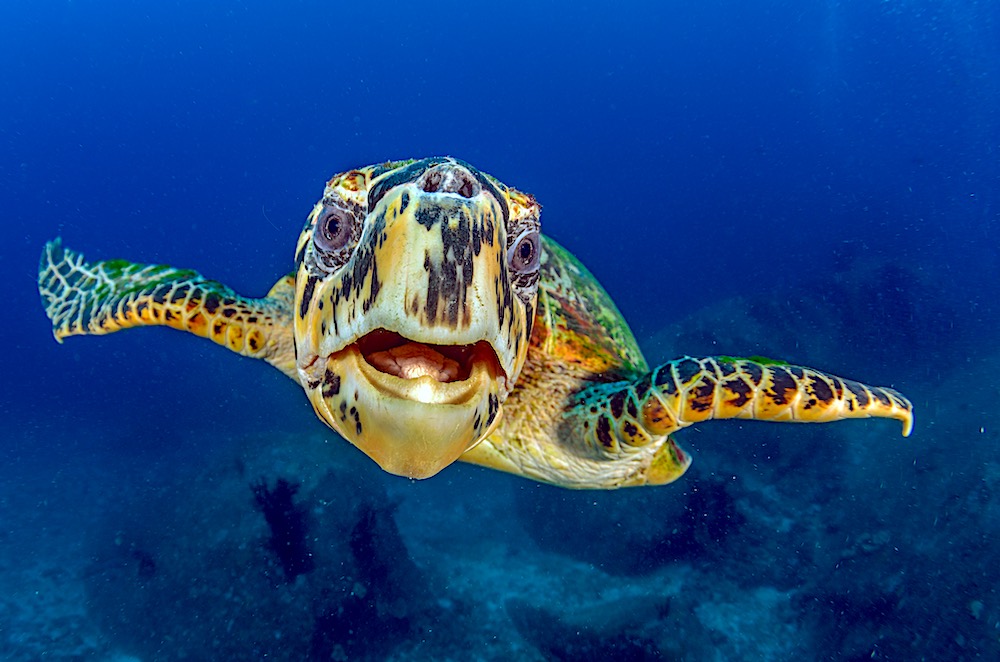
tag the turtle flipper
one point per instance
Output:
(82, 297)
(624, 420)
(689, 390)
(618, 434)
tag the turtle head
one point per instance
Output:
(415, 293)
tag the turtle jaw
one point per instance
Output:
(412, 407)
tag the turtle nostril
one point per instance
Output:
(450, 179)
(467, 189)
(462, 182)
(432, 182)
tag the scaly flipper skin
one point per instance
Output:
(96, 298)
(617, 434)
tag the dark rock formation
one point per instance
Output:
(289, 525)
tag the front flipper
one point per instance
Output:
(82, 297)
(616, 418)
(618, 434)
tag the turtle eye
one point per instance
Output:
(333, 229)
(525, 253)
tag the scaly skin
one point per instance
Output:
(94, 298)
(425, 282)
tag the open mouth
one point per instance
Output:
(442, 374)
(392, 354)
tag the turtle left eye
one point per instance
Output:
(525, 253)
(333, 229)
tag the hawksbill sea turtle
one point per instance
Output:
(428, 320)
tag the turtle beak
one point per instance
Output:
(419, 338)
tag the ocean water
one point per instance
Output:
(819, 182)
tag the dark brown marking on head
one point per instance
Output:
(433, 291)
(373, 291)
(494, 406)
(301, 254)
(357, 420)
(630, 406)
(450, 275)
(307, 295)
(331, 384)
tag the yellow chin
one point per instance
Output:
(415, 424)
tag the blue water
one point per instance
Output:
(834, 166)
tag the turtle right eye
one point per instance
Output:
(333, 229)
(525, 254)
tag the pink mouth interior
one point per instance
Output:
(395, 355)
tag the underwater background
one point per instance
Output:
(818, 182)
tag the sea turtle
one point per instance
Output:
(429, 320)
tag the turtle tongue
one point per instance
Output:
(412, 360)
